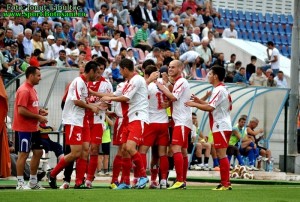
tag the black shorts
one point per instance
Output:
(30, 141)
(104, 149)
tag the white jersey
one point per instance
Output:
(117, 105)
(137, 107)
(181, 114)
(71, 113)
(219, 118)
(157, 114)
(101, 86)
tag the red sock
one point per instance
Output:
(154, 173)
(117, 166)
(224, 171)
(185, 167)
(59, 167)
(92, 167)
(164, 167)
(126, 171)
(137, 160)
(136, 173)
(144, 159)
(178, 161)
(80, 170)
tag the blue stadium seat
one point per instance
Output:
(255, 27)
(241, 15)
(248, 26)
(237, 27)
(131, 20)
(277, 40)
(284, 51)
(257, 37)
(268, 18)
(264, 39)
(290, 50)
(270, 37)
(283, 19)
(228, 14)
(288, 29)
(221, 11)
(268, 28)
(250, 36)
(283, 40)
(274, 29)
(245, 36)
(254, 17)
(261, 18)
(227, 22)
(290, 19)
(239, 35)
(242, 26)
(289, 38)
(281, 29)
(248, 16)
(198, 72)
(217, 23)
(261, 27)
(165, 16)
(222, 23)
(91, 4)
(234, 15)
(275, 18)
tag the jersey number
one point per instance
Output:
(78, 137)
(160, 99)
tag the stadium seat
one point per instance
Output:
(217, 23)
(241, 15)
(275, 18)
(248, 16)
(288, 29)
(257, 37)
(129, 42)
(221, 11)
(261, 27)
(255, 17)
(255, 27)
(250, 36)
(277, 40)
(268, 18)
(289, 38)
(261, 18)
(123, 42)
(264, 39)
(107, 50)
(131, 31)
(274, 29)
(136, 54)
(290, 50)
(227, 21)
(268, 28)
(248, 26)
(131, 20)
(92, 13)
(71, 33)
(270, 37)
(283, 19)
(242, 26)
(141, 55)
(198, 72)
(281, 29)
(245, 36)
(284, 51)
(222, 23)
(228, 14)
(290, 19)
(234, 15)
(239, 34)
(283, 40)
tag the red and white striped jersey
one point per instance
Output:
(181, 114)
(219, 118)
(71, 113)
(157, 114)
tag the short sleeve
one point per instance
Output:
(78, 91)
(132, 87)
(179, 87)
(217, 96)
(23, 98)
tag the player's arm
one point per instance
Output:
(116, 99)
(109, 121)
(166, 92)
(82, 104)
(203, 107)
(100, 95)
(153, 76)
(236, 134)
(253, 132)
(25, 112)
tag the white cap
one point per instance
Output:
(50, 37)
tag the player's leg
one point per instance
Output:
(154, 167)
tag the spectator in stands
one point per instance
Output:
(141, 37)
(103, 11)
(240, 76)
(139, 14)
(256, 136)
(179, 36)
(258, 78)
(187, 14)
(271, 82)
(37, 42)
(96, 50)
(273, 58)
(281, 80)
(35, 59)
(220, 60)
(209, 27)
(175, 12)
(19, 41)
(207, 16)
(70, 47)
(130, 55)
(187, 45)
(131, 5)
(59, 32)
(229, 65)
(230, 32)
(171, 37)
(109, 29)
(115, 44)
(83, 34)
(196, 37)
(101, 35)
(57, 46)
(72, 58)
(251, 68)
(45, 30)
(116, 75)
(81, 58)
(62, 59)
(198, 17)
(189, 3)
(212, 42)
(205, 53)
(27, 43)
(122, 12)
(156, 40)
(117, 19)
(191, 59)
(151, 17)
(13, 61)
(155, 55)
(268, 72)
(8, 39)
(16, 26)
(83, 22)
(87, 49)
(158, 10)
(66, 33)
(175, 22)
